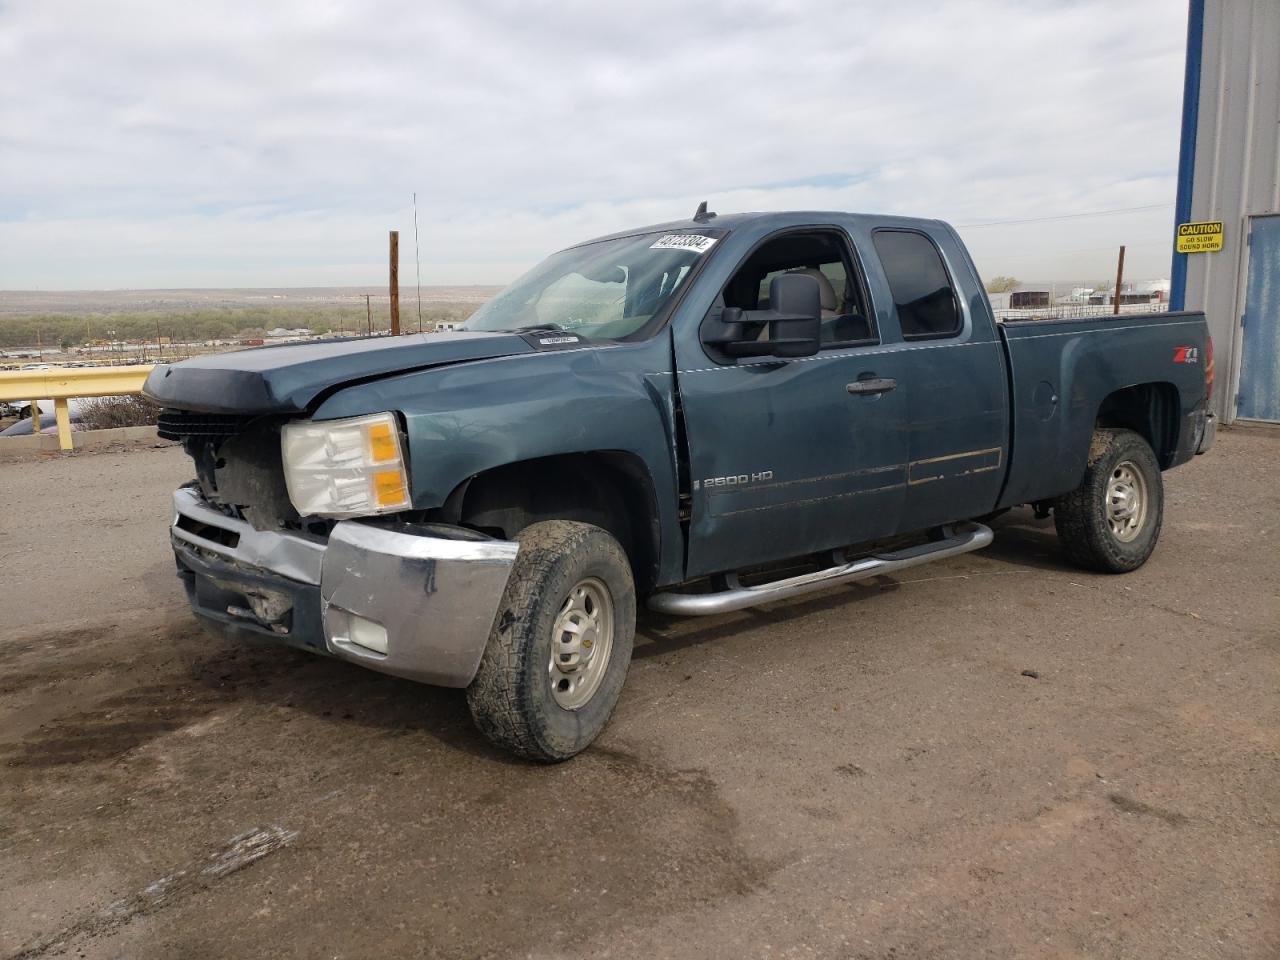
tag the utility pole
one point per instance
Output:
(368, 314)
(1119, 280)
(395, 283)
(417, 259)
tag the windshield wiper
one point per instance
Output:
(550, 328)
(534, 327)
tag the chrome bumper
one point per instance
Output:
(395, 601)
(1208, 433)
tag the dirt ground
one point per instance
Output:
(862, 774)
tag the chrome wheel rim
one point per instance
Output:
(581, 643)
(1126, 501)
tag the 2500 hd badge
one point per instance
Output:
(738, 480)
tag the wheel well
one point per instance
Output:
(609, 489)
(1151, 410)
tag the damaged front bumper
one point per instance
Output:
(396, 600)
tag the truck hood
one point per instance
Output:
(288, 378)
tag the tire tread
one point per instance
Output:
(499, 697)
(1082, 528)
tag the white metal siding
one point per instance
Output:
(1237, 166)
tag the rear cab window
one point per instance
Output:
(923, 294)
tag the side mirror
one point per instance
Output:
(795, 330)
(794, 322)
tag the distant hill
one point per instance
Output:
(70, 318)
(144, 301)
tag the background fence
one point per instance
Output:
(1076, 311)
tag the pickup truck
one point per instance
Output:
(698, 416)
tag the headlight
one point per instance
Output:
(345, 468)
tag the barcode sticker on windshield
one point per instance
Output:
(684, 241)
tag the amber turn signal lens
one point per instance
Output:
(382, 443)
(389, 488)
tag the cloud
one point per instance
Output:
(168, 144)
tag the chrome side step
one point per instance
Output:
(961, 538)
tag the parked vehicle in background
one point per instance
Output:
(48, 424)
(22, 410)
(700, 416)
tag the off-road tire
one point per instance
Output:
(510, 698)
(1081, 516)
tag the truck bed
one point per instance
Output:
(1062, 371)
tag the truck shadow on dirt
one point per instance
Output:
(1021, 541)
(335, 691)
(195, 675)
(338, 692)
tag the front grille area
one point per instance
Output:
(207, 531)
(180, 424)
(238, 464)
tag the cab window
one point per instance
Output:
(823, 255)
(922, 292)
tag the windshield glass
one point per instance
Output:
(606, 290)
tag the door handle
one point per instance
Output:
(872, 385)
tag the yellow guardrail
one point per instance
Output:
(60, 384)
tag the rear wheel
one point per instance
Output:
(558, 655)
(1111, 522)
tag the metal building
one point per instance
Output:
(1229, 171)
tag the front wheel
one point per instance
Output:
(1111, 522)
(561, 643)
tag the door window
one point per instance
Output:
(922, 292)
(823, 255)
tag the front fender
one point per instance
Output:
(465, 419)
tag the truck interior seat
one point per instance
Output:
(826, 291)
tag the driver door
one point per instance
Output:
(785, 460)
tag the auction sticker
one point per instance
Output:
(684, 241)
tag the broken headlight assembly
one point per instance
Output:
(345, 468)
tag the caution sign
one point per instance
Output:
(1203, 237)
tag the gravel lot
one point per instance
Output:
(862, 774)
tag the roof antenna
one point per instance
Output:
(702, 215)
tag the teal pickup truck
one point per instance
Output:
(698, 416)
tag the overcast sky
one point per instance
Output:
(176, 144)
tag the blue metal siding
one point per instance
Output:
(1260, 343)
(1187, 150)
(1231, 166)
